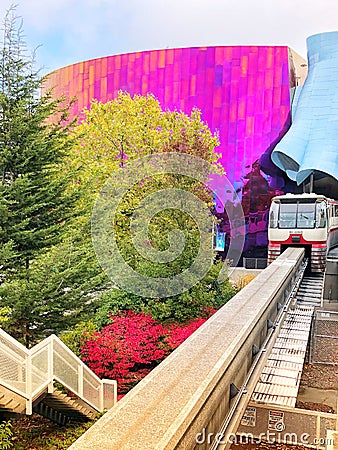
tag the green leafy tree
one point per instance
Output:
(196, 302)
(75, 338)
(128, 128)
(123, 130)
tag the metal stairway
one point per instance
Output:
(310, 292)
(61, 407)
(280, 378)
(27, 380)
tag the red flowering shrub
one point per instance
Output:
(132, 345)
(179, 333)
(126, 350)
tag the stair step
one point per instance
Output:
(11, 402)
(308, 293)
(310, 287)
(311, 291)
(308, 299)
(312, 304)
(303, 301)
(59, 394)
(68, 406)
(313, 282)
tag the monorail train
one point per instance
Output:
(303, 220)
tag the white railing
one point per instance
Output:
(30, 372)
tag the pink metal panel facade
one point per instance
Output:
(242, 91)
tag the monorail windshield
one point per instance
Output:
(300, 214)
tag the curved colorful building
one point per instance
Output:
(244, 92)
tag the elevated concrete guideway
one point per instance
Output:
(191, 391)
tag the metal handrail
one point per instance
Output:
(51, 375)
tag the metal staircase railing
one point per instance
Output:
(30, 372)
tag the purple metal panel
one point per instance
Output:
(243, 92)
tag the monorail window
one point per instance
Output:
(287, 215)
(297, 215)
(321, 215)
(273, 220)
(306, 215)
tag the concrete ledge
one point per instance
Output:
(239, 272)
(190, 390)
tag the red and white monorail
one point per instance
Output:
(303, 220)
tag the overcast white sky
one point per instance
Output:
(75, 30)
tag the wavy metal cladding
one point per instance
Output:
(242, 91)
(311, 144)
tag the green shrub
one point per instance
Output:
(74, 338)
(6, 435)
(189, 305)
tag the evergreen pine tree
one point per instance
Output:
(32, 204)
